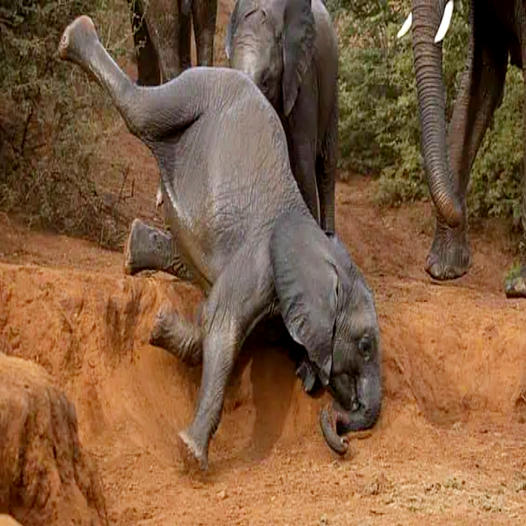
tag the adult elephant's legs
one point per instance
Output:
(301, 127)
(326, 173)
(150, 248)
(480, 94)
(147, 62)
(185, 36)
(204, 14)
(238, 299)
(162, 19)
(150, 112)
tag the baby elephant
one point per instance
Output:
(244, 232)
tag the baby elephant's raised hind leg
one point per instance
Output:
(177, 336)
(150, 113)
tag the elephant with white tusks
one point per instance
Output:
(497, 40)
(248, 238)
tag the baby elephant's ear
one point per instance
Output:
(306, 283)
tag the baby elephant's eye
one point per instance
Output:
(366, 347)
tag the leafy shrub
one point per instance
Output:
(379, 126)
(51, 121)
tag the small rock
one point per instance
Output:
(222, 494)
(521, 486)
(7, 520)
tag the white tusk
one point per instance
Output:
(406, 26)
(159, 197)
(446, 21)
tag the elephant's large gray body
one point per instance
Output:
(289, 49)
(231, 203)
(242, 227)
(498, 34)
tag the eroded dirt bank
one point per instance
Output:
(450, 443)
(45, 476)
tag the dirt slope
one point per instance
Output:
(45, 477)
(450, 443)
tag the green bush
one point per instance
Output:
(379, 127)
(52, 123)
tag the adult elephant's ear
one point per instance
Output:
(298, 46)
(306, 284)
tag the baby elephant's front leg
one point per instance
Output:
(220, 349)
(238, 300)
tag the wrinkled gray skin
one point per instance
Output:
(498, 33)
(290, 50)
(162, 32)
(244, 231)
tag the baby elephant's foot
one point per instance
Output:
(147, 248)
(515, 285)
(177, 336)
(193, 456)
(77, 37)
(450, 256)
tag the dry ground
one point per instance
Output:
(449, 447)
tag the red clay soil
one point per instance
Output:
(45, 477)
(449, 447)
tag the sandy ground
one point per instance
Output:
(449, 447)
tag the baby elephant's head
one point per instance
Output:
(328, 308)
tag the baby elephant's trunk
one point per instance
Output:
(336, 421)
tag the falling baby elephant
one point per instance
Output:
(247, 237)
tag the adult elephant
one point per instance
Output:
(498, 33)
(162, 31)
(245, 232)
(289, 49)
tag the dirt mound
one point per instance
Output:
(44, 475)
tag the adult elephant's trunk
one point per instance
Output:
(363, 414)
(427, 15)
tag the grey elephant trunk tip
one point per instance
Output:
(63, 46)
(449, 207)
(329, 428)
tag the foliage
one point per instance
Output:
(53, 124)
(379, 127)
(49, 134)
